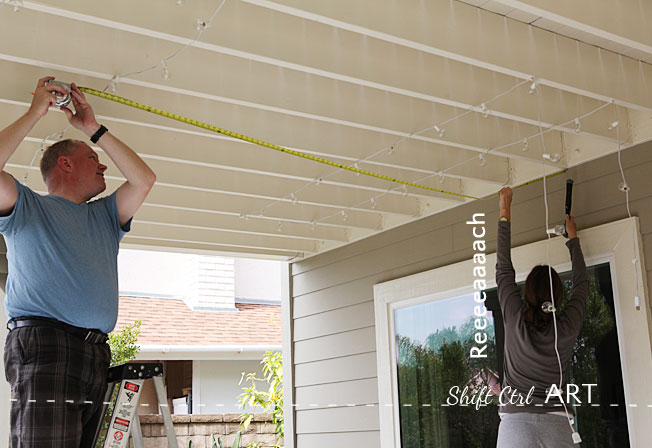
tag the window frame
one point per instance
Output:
(616, 243)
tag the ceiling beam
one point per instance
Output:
(443, 99)
(409, 164)
(157, 230)
(205, 199)
(389, 135)
(623, 22)
(199, 247)
(233, 223)
(192, 178)
(457, 31)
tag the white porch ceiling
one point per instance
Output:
(339, 80)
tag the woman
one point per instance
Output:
(531, 366)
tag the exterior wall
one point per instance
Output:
(145, 273)
(257, 280)
(332, 293)
(218, 385)
(200, 428)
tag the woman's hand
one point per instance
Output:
(505, 202)
(571, 227)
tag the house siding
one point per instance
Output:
(335, 374)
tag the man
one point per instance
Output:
(62, 288)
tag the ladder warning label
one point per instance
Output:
(121, 424)
(124, 413)
(132, 387)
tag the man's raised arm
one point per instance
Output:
(140, 177)
(13, 135)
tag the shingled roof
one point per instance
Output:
(171, 322)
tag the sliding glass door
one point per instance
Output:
(435, 372)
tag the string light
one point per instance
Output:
(319, 180)
(484, 110)
(279, 228)
(373, 203)
(553, 157)
(345, 217)
(578, 126)
(115, 80)
(313, 224)
(115, 83)
(483, 160)
(525, 144)
(404, 190)
(533, 86)
(624, 187)
(441, 177)
(200, 25)
(614, 125)
(575, 435)
(441, 173)
(244, 216)
(440, 131)
(293, 197)
(164, 70)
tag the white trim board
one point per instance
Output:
(617, 243)
(204, 352)
(287, 321)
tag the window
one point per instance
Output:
(433, 341)
(423, 337)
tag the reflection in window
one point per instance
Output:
(433, 342)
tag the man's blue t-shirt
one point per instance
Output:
(63, 259)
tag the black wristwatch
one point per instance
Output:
(100, 132)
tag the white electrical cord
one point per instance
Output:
(576, 436)
(163, 63)
(116, 79)
(625, 188)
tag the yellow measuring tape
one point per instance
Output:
(209, 127)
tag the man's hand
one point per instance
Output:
(571, 227)
(505, 202)
(84, 117)
(45, 96)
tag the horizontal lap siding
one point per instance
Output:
(340, 440)
(334, 333)
(348, 393)
(346, 368)
(337, 345)
(336, 321)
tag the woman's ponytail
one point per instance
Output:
(536, 292)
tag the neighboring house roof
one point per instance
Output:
(171, 322)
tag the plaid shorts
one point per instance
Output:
(58, 383)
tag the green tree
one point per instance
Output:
(123, 344)
(271, 401)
